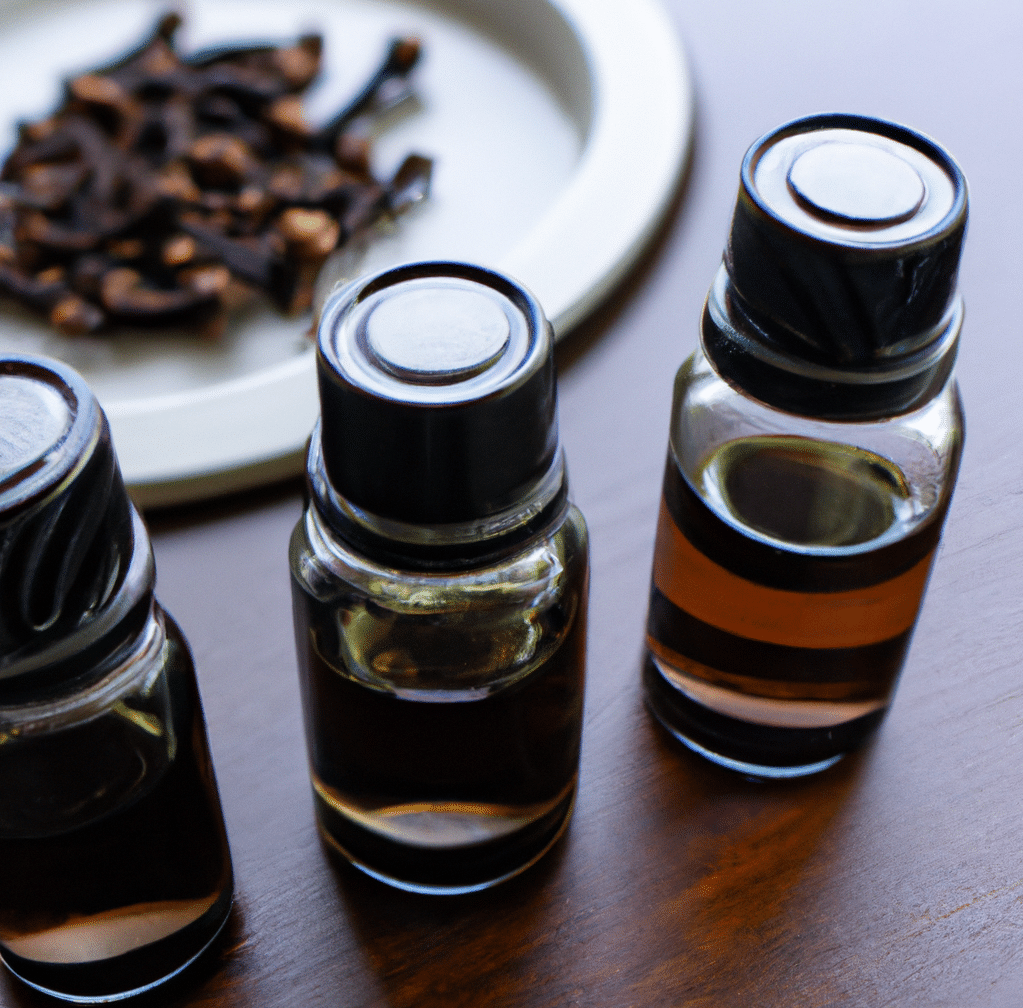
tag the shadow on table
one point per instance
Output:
(732, 920)
(471, 949)
(686, 889)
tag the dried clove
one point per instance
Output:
(385, 89)
(166, 186)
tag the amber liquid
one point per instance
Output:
(784, 596)
(120, 902)
(442, 791)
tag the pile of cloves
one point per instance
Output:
(166, 189)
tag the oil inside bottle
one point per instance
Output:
(785, 592)
(444, 743)
(804, 493)
(115, 874)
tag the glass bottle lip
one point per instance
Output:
(544, 499)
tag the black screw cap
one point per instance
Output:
(845, 242)
(66, 524)
(437, 393)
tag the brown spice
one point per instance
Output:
(166, 187)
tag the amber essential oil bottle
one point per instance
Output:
(115, 872)
(814, 444)
(439, 576)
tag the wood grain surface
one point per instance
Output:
(894, 879)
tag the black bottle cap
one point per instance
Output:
(437, 394)
(843, 256)
(69, 538)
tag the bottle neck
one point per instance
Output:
(136, 661)
(741, 349)
(437, 546)
(55, 664)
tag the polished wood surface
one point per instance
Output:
(896, 878)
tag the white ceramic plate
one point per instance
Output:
(558, 130)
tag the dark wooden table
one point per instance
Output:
(894, 879)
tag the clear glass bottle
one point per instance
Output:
(115, 872)
(439, 579)
(814, 445)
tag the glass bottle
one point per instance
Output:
(439, 576)
(115, 872)
(814, 445)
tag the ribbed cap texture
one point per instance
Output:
(845, 243)
(66, 534)
(437, 393)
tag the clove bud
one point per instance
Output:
(165, 184)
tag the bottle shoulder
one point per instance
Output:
(801, 481)
(130, 668)
(708, 412)
(324, 565)
(456, 635)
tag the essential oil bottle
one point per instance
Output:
(115, 872)
(439, 576)
(814, 444)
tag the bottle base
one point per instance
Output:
(746, 768)
(127, 975)
(450, 871)
(756, 750)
